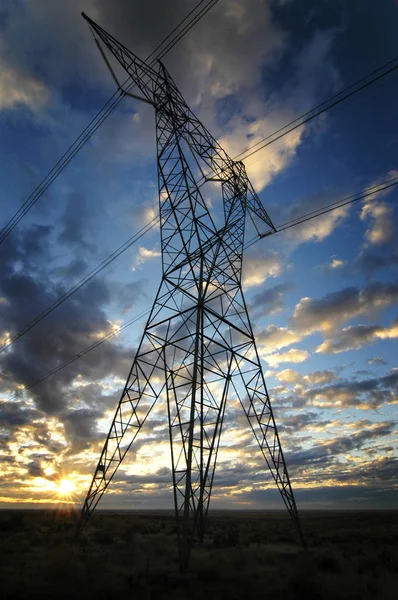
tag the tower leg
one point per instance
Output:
(196, 396)
(250, 388)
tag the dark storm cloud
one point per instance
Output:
(269, 300)
(333, 308)
(227, 60)
(371, 260)
(81, 427)
(47, 37)
(74, 224)
(140, 25)
(295, 423)
(35, 470)
(126, 294)
(327, 452)
(13, 415)
(67, 331)
(366, 393)
(75, 269)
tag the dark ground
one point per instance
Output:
(250, 555)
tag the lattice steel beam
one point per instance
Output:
(198, 350)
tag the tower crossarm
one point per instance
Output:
(215, 163)
(143, 75)
(218, 165)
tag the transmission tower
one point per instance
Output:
(198, 349)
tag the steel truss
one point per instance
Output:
(198, 349)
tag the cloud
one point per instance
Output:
(320, 377)
(257, 268)
(248, 128)
(226, 69)
(40, 44)
(336, 263)
(19, 89)
(275, 338)
(270, 300)
(322, 454)
(380, 214)
(334, 308)
(318, 229)
(365, 394)
(377, 360)
(356, 336)
(289, 376)
(26, 285)
(293, 356)
(143, 255)
(74, 223)
(372, 259)
(271, 160)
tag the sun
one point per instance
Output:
(66, 487)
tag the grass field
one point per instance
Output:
(350, 556)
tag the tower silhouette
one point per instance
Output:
(198, 350)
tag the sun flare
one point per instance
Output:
(66, 487)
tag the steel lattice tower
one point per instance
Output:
(198, 348)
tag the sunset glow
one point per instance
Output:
(66, 487)
(322, 296)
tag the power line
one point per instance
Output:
(187, 28)
(319, 105)
(66, 295)
(244, 155)
(370, 191)
(152, 223)
(175, 29)
(97, 121)
(330, 207)
(115, 100)
(79, 355)
(136, 236)
(146, 228)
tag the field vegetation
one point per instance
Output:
(249, 555)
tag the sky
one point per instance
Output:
(322, 296)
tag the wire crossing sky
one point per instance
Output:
(173, 38)
(322, 296)
(335, 206)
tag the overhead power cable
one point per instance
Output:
(159, 46)
(188, 27)
(151, 224)
(100, 117)
(115, 100)
(93, 273)
(370, 191)
(79, 355)
(312, 215)
(327, 105)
